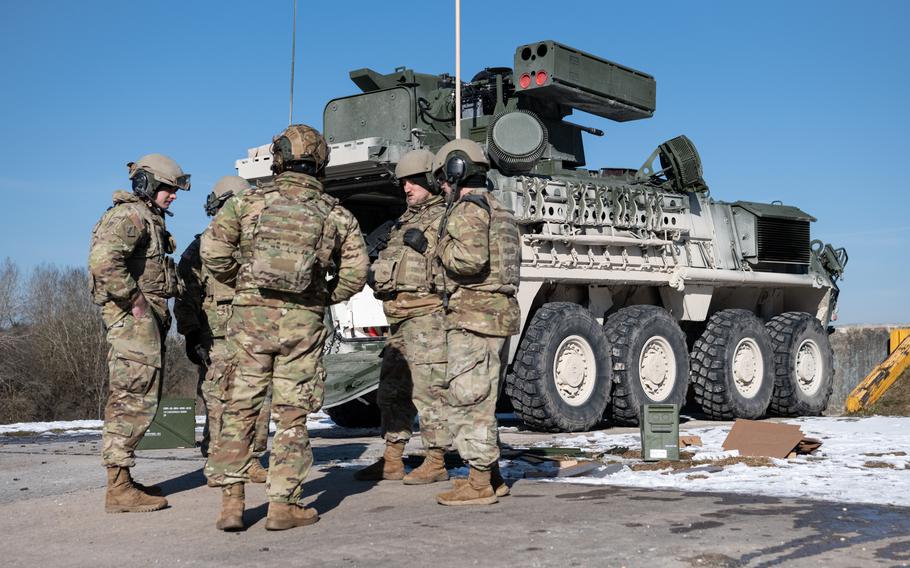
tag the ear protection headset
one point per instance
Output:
(458, 167)
(144, 185)
(214, 202)
(281, 153)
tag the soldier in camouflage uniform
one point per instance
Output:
(479, 255)
(202, 310)
(132, 278)
(288, 250)
(413, 362)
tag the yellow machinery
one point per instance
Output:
(884, 375)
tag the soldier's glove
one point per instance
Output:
(197, 350)
(415, 239)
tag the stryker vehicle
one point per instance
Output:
(636, 286)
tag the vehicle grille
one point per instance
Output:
(783, 240)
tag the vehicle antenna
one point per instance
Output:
(457, 68)
(293, 53)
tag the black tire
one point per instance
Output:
(531, 385)
(713, 379)
(630, 331)
(361, 412)
(790, 332)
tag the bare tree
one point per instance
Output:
(9, 294)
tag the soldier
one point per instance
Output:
(479, 254)
(413, 361)
(288, 250)
(202, 310)
(132, 278)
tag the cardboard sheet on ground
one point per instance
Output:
(769, 439)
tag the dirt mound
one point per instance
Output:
(895, 401)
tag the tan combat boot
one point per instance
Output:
(231, 518)
(500, 487)
(147, 489)
(389, 466)
(123, 497)
(283, 516)
(432, 469)
(257, 473)
(477, 491)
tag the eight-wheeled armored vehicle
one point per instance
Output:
(636, 286)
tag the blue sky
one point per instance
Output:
(805, 102)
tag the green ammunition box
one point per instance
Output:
(659, 432)
(174, 425)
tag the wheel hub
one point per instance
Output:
(574, 370)
(808, 367)
(748, 367)
(657, 368)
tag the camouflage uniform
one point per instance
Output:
(129, 256)
(414, 359)
(277, 337)
(204, 307)
(480, 255)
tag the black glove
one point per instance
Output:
(371, 278)
(196, 350)
(415, 239)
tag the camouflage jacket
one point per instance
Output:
(403, 275)
(480, 255)
(129, 255)
(227, 244)
(202, 304)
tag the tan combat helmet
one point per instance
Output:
(417, 164)
(154, 170)
(224, 189)
(459, 160)
(301, 148)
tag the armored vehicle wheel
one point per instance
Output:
(733, 366)
(803, 365)
(361, 412)
(650, 361)
(560, 378)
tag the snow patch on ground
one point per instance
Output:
(316, 421)
(841, 470)
(68, 427)
(861, 460)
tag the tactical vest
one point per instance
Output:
(288, 239)
(400, 268)
(149, 264)
(505, 253)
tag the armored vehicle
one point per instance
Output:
(636, 286)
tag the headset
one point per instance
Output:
(214, 202)
(146, 186)
(143, 186)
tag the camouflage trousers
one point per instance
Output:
(209, 388)
(135, 364)
(471, 390)
(410, 381)
(282, 348)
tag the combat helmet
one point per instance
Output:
(152, 171)
(224, 189)
(417, 164)
(299, 148)
(460, 161)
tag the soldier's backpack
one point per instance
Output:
(290, 239)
